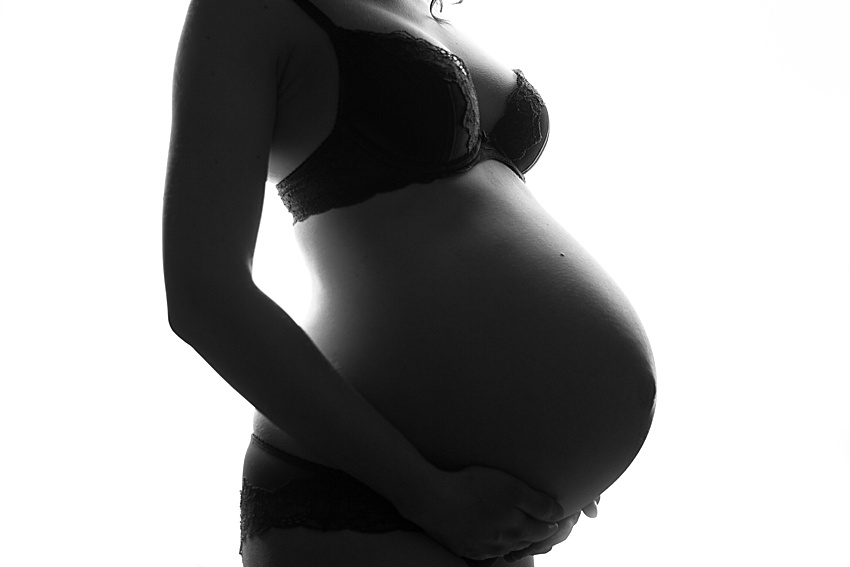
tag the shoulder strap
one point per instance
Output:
(317, 15)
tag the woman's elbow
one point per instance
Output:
(193, 309)
(179, 315)
(187, 302)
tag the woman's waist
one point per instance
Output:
(501, 276)
(523, 300)
(485, 348)
(490, 376)
(463, 324)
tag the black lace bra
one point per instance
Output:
(407, 113)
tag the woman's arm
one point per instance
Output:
(225, 92)
(230, 66)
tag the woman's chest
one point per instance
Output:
(391, 76)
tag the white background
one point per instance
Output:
(700, 150)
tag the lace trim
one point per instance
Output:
(355, 180)
(326, 503)
(512, 132)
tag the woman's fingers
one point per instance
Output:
(565, 527)
(533, 531)
(481, 512)
(562, 533)
(541, 506)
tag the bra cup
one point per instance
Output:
(528, 156)
(522, 132)
(404, 100)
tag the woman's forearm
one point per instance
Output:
(265, 356)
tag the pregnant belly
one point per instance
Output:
(544, 373)
(505, 346)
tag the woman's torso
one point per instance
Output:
(460, 308)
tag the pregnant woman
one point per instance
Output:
(468, 379)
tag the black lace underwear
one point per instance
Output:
(319, 498)
(326, 500)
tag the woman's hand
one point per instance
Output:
(480, 512)
(565, 526)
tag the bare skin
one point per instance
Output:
(454, 324)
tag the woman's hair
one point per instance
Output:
(439, 4)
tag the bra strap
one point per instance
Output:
(317, 16)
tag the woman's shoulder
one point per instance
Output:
(265, 27)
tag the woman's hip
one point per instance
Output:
(294, 511)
